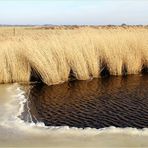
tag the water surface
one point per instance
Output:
(73, 103)
(115, 101)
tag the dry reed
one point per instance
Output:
(54, 56)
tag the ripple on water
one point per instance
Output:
(99, 103)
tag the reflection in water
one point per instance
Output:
(114, 101)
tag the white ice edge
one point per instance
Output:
(17, 133)
(21, 99)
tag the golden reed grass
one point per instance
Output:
(54, 55)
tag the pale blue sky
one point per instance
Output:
(90, 12)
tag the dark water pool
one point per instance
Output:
(113, 101)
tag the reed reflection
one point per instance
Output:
(114, 101)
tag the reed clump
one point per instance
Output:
(55, 55)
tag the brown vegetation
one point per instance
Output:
(55, 55)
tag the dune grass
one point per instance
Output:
(54, 56)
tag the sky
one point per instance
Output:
(74, 12)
